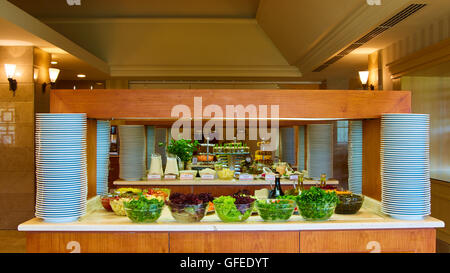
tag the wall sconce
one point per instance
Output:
(10, 70)
(35, 73)
(364, 77)
(54, 73)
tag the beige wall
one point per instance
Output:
(41, 63)
(17, 143)
(17, 176)
(431, 95)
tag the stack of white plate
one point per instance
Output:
(355, 156)
(132, 152)
(320, 141)
(61, 169)
(103, 147)
(405, 165)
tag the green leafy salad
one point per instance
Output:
(143, 209)
(317, 204)
(280, 209)
(234, 209)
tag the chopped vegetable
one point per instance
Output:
(144, 210)
(317, 204)
(229, 209)
(188, 208)
(275, 209)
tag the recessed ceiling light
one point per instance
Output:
(54, 62)
(81, 76)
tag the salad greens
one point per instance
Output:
(183, 148)
(279, 209)
(228, 211)
(190, 207)
(317, 204)
(144, 210)
(288, 197)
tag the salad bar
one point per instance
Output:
(166, 212)
(163, 214)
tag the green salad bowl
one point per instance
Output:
(275, 210)
(233, 212)
(148, 215)
(311, 211)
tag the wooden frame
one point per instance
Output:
(294, 104)
(295, 107)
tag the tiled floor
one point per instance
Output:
(12, 241)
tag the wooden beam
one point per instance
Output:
(293, 104)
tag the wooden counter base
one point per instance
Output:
(385, 240)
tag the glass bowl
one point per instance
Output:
(185, 213)
(149, 215)
(316, 211)
(275, 210)
(118, 206)
(349, 203)
(225, 174)
(105, 200)
(236, 213)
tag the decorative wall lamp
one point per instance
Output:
(10, 70)
(364, 77)
(54, 73)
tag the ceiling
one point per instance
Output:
(140, 8)
(70, 65)
(220, 38)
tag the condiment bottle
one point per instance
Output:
(277, 191)
(300, 182)
(323, 180)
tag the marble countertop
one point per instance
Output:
(215, 182)
(97, 219)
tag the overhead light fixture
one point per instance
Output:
(54, 62)
(10, 70)
(81, 76)
(53, 74)
(364, 77)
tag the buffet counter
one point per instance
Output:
(100, 231)
(216, 182)
(217, 186)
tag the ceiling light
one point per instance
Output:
(54, 62)
(81, 76)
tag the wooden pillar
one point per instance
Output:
(91, 140)
(371, 181)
